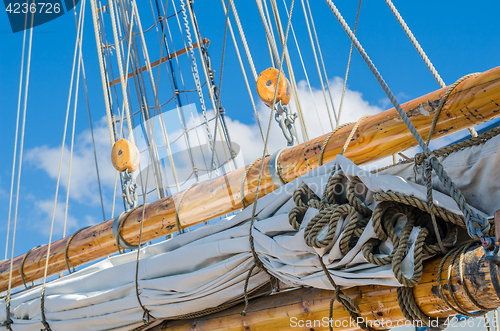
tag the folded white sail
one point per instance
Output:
(207, 267)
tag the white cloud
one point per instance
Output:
(83, 184)
(315, 115)
(45, 209)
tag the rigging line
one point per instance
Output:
(420, 51)
(272, 42)
(348, 65)
(269, 36)
(209, 78)
(470, 215)
(317, 66)
(243, 39)
(108, 73)
(249, 57)
(91, 130)
(322, 62)
(205, 58)
(122, 77)
(15, 139)
(155, 91)
(211, 86)
(290, 72)
(180, 111)
(307, 77)
(77, 82)
(42, 295)
(105, 85)
(229, 4)
(143, 102)
(261, 170)
(194, 68)
(103, 57)
(142, 96)
(416, 44)
(16, 205)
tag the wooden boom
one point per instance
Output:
(308, 308)
(474, 101)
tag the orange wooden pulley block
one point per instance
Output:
(266, 86)
(125, 156)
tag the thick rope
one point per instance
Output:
(448, 150)
(421, 52)
(325, 142)
(351, 135)
(443, 101)
(244, 41)
(477, 225)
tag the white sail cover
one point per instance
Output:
(207, 267)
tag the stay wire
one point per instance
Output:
(257, 262)
(23, 126)
(348, 64)
(420, 51)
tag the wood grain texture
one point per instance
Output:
(378, 304)
(474, 101)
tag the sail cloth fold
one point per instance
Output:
(207, 267)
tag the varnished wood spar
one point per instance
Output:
(475, 100)
(378, 304)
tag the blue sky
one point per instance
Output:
(459, 38)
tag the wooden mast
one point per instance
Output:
(474, 101)
(378, 304)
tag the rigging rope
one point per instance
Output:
(123, 79)
(420, 51)
(288, 62)
(322, 62)
(348, 64)
(471, 216)
(75, 103)
(249, 57)
(78, 47)
(23, 126)
(269, 36)
(162, 124)
(209, 75)
(243, 39)
(257, 262)
(307, 76)
(104, 78)
(319, 70)
(15, 139)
